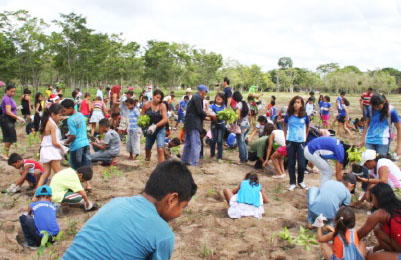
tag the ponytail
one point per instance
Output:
(53, 109)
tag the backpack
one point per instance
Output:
(351, 251)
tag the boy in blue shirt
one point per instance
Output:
(78, 138)
(136, 227)
(44, 219)
(181, 110)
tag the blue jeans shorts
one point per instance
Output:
(159, 137)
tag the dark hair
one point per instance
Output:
(321, 98)
(159, 92)
(312, 93)
(273, 97)
(185, 97)
(346, 148)
(253, 179)
(203, 132)
(37, 97)
(221, 95)
(342, 93)
(237, 96)
(370, 89)
(327, 98)
(130, 92)
(74, 93)
(377, 100)
(346, 102)
(345, 219)
(273, 102)
(108, 88)
(176, 141)
(168, 177)
(104, 122)
(60, 95)
(14, 158)
(53, 109)
(87, 94)
(226, 80)
(86, 172)
(310, 99)
(262, 119)
(387, 200)
(68, 103)
(268, 129)
(291, 110)
(27, 91)
(130, 101)
(10, 86)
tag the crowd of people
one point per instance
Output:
(299, 138)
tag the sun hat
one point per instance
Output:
(188, 90)
(367, 155)
(43, 191)
(203, 88)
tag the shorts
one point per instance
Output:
(9, 132)
(341, 119)
(326, 117)
(282, 150)
(72, 198)
(31, 178)
(181, 118)
(159, 137)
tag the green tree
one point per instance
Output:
(285, 63)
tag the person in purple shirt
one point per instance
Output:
(7, 120)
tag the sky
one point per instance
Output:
(364, 33)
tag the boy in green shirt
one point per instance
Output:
(258, 148)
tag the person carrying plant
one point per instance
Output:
(108, 148)
(137, 227)
(44, 219)
(134, 132)
(217, 127)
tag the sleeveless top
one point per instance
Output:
(249, 194)
(343, 251)
(393, 228)
(84, 107)
(40, 107)
(98, 106)
(155, 116)
(25, 106)
(47, 139)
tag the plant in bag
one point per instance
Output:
(227, 115)
(143, 121)
(355, 154)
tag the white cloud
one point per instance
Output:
(364, 33)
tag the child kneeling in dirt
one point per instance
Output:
(44, 219)
(175, 142)
(136, 227)
(108, 149)
(247, 199)
(67, 187)
(29, 171)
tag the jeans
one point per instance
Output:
(192, 147)
(30, 231)
(381, 149)
(365, 110)
(103, 156)
(322, 164)
(217, 137)
(242, 148)
(159, 137)
(295, 152)
(80, 157)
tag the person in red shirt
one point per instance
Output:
(365, 101)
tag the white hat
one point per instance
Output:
(367, 155)
(189, 90)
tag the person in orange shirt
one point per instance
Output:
(269, 106)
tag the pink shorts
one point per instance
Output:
(282, 150)
(326, 117)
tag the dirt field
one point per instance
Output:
(203, 231)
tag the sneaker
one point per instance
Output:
(292, 187)
(302, 186)
(280, 176)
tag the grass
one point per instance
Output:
(206, 252)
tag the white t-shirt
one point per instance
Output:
(279, 137)
(309, 108)
(99, 93)
(394, 175)
(244, 119)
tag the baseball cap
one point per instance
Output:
(203, 88)
(43, 191)
(349, 177)
(367, 155)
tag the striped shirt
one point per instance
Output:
(133, 115)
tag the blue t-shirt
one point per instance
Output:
(339, 102)
(215, 108)
(324, 107)
(77, 126)
(328, 148)
(231, 140)
(133, 115)
(227, 94)
(379, 130)
(332, 195)
(249, 194)
(182, 107)
(273, 114)
(124, 228)
(44, 216)
(296, 128)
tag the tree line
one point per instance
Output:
(34, 52)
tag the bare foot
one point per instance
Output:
(114, 162)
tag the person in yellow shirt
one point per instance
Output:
(49, 91)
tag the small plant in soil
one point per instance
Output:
(305, 238)
(72, 227)
(46, 243)
(206, 252)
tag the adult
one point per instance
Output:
(49, 91)
(157, 111)
(170, 100)
(243, 124)
(26, 103)
(385, 223)
(8, 119)
(193, 126)
(364, 102)
(377, 135)
(149, 93)
(188, 93)
(321, 149)
(38, 110)
(99, 92)
(327, 199)
(115, 99)
(227, 92)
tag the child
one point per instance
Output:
(217, 127)
(67, 187)
(345, 239)
(86, 106)
(98, 111)
(280, 118)
(108, 149)
(51, 149)
(30, 126)
(360, 124)
(258, 148)
(123, 126)
(343, 118)
(44, 219)
(310, 108)
(273, 110)
(325, 107)
(181, 111)
(175, 142)
(253, 107)
(134, 132)
(145, 234)
(277, 138)
(296, 128)
(202, 136)
(269, 106)
(78, 138)
(247, 199)
(259, 128)
(29, 171)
